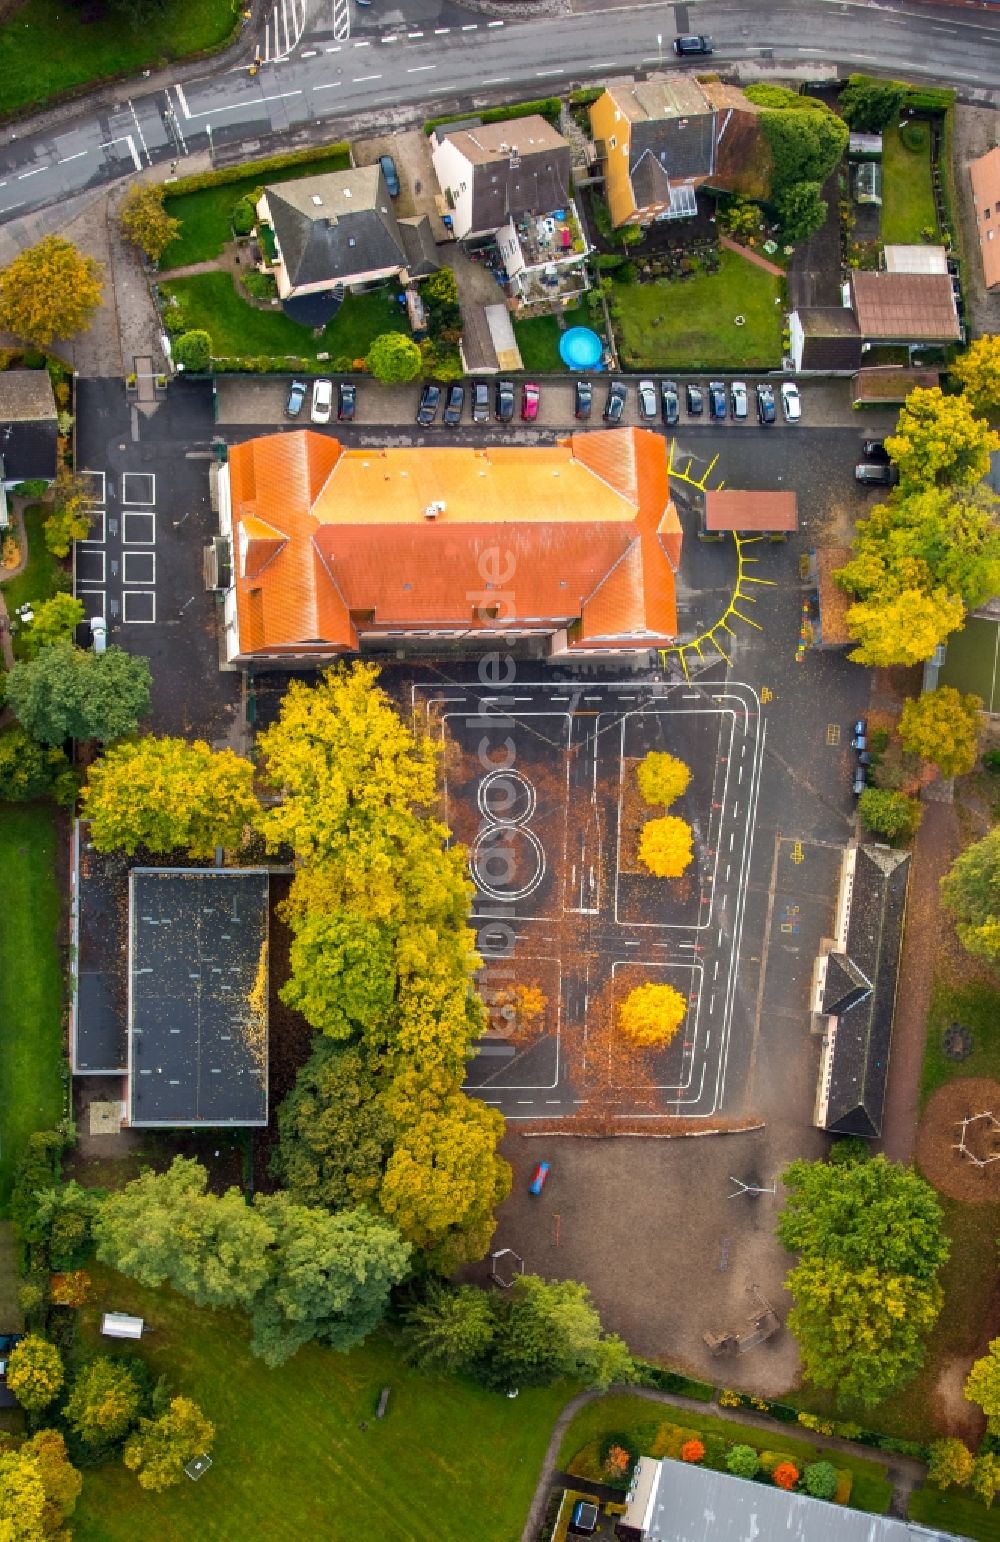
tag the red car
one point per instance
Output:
(530, 397)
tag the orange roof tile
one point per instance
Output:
(409, 537)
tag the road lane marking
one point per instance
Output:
(280, 97)
(441, 31)
(309, 53)
(67, 158)
(359, 79)
(540, 73)
(328, 86)
(494, 23)
(334, 49)
(24, 174)
(414, 34)
(471, 26)
(419, 68)
(365, 44)
(500, 80)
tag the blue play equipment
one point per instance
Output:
(580, 348)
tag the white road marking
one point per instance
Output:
(67, 158)
(471, 26)
(328, 86)
(23, 176)
(494, 23)
(334, 49)
(441, 31)
(501, 80)
(280, 96)
(418, 69)
(359, 79)
(365, 44)
(414, 34)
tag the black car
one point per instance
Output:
(584, 399)
(670, 407)
(297, 393)
(716, 400)
(695, 400)
(860, 781)
(766, 411)
(692, 43)
(875, 450)
(504, 406)
(480, 402)
(453, 403)
(614, 407)
(874, 473)
(430, 401)
(347, 401)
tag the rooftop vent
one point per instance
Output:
(317, 200)
(434, 509)
(347, 192)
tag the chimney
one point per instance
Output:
(434, 509)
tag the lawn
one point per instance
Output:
(39, 579)
(538, 340)
(298, 1451)
(639, 1418)
(907, 194)
(689, 324)
(956, 1513)
(205, 215)
(46, 47)
(976, 1006)
(238, 330)
(31, 984)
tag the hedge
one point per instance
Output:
(649, 1374)
(585, 96)
(546, 107)
(246, 169)
(929, 99)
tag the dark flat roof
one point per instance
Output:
(101, 961)
(197, 1008)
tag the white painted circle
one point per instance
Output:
(519, 783)
(478, 860)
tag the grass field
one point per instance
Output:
(237, 329)
(976, 1006)
(955, 1512)
(907, 194)
(690, 324)
(46, 47)
(205, 215)
(38, 579)
(538, 340)
(291, 1460)
(639, 1418)
(31, 987)
(972, 662)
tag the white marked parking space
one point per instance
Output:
(138, 607)
(139, 487)
(138, 567)
(96, 533)
(138, 529)
(94, 482)
(88, 564)
(94, 602)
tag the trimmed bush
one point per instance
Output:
(193, 351)
(785, 1475)
(244, 169)
(743, 1462)
(244, 217)
(693, 1451)
(546, 107)
(819, 1479)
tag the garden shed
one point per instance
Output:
(868, 182)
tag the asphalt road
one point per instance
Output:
(391, 74)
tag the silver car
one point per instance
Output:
(738, 397)
(647, 400)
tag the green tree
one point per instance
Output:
(29, 770)
(49, 290)
(805, 139)
(860, 1332)
(394, 357)
(335, 1131)
(820, 1480)
(891, 814)
(978, 371)
(166, 1228)
(70, 517)
(167, 794)
(160, 1448)
(342, 975)
(743, 1461)
(145, 221)
(193, 350)
(982, 1386)
(934, 538)
(64, 1219)
(330, 1277)
(867, 1214)
(55, 620)
(72, 693)
(986, 1476)
(905, 629)
(802, 210)
(940, 441)
(971, 891)
(38, 1489)
(662, 778)
(104, 1403)
(34, 1372)
(452, 1329)
(942, 727)
(551, 1328)
(870, 105)
(951, 1462)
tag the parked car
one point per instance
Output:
(872, 473)
(347, 401)
(860, 781)
(614, 406)
(297, 392)
(454, 401)
(692, 43)
(716, 400)
(390, 174)
(530, 398)
(874, 449)
(539, 1177)
(738, 398)
(647, 400)
(99, 633)
(480, 402)
(695, 400)
(322, 401)
(791, 401)
(430, 400)
(504, 403)
(766, 410)
(859, 735)
(670, 408)
(584, 399)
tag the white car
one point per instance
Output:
(791, 402)
(647, 400)
(322, 401)
(738, 397)
(99, 633)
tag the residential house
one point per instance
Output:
(900, 307)
(29, 431)
(571, 547)
(985, 174)
(511, 183)
(854, 990)
(668, 1501)
(659, 140)
(825, 340)
(339, 231)
(730, 511)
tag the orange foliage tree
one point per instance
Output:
(71, 1289)
(694, 1451)
(786, 1475)
(666, 846)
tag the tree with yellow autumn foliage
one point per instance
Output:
(651, 1014)
(666, 846)
(166, 794)
(662, 778)
(49, 290)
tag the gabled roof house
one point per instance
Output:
(29, 430)
(336, 550)
(985, 175)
